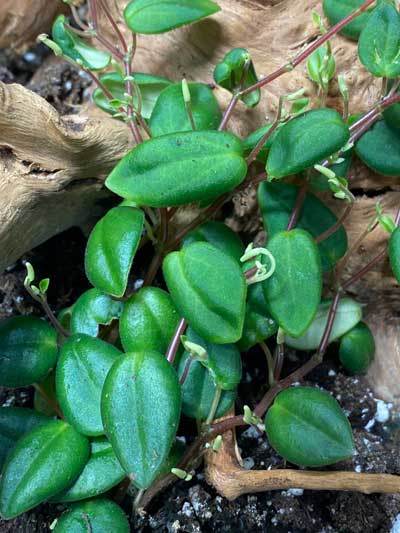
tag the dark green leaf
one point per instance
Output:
(379, 148)
(82, 368)
(392, 113)
(277, 201)
(48, 385)
(28, 350)
(219, 235)
(102, 472)
(77, 49)
(293, 292)
(209, 290)
(379, 44)
(337, 10)
(91, 309)
(170, 114)
(357, 348)
(148, 321)
(146, 386)
(306, 140)
(93, 516)
(348, 314)
(394, 253)
(307, 427)
(180, 168)
(254, 138)
(111, 248)
(14, 423)
(43, 463)
(159, 16)
(173, 459)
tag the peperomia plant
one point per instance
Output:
(121, 366)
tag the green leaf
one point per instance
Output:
(48, 385)
(198, 391)
(277, 201)
(320, 68)
(230, 74)
(357, 348)
(146, 386)
(208, 289)
(91, 309)
(170, 114)
(102, 472)
(337, 10)
(394, 253)
(28, 350)
(93, 516)
(219, 235)
(82, 368)
(43, 463)
(173, 459)
(159, 16)
(293, 292)
(379, 148)
(319, 182)
(306, 140)
(348, 314)
(111, 248)
(392, 113)
(14, 423)
(77, 49)
(150, 88)
(254, 138)
(148, 321)
(379, 44)
(307, 427)
(180, 168)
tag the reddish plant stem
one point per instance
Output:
(279, 357)
(228, 112)
(358, 275)
(186, 370)
(256, 150)
(114, 26)
(53, 404)
(175, 341)
(95, 23)
(298, 206)
(330, 231)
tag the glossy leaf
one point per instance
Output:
(48, 385)
(170, 114)
(379, 44)
(307, 427)
(28, 350)
(173, 459)
(93, 516)
(306, 140)
(337, 10)
(91, 309)
(146, 386)
(254, 138)
(293, 292)
(43, 463)
(219, 235)
(159, 16)
(348, 314)
(148, 321)
(14, 423)
(180, 168)
(82, 368)
(277, 201)
(394, 253)
(379, 148)
(198, 391)
(357, 348)
(102, 472)
(236, 71)
(149, 86)
(209, 290)
(111, 248)
(76, 48)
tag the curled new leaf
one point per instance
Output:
(337, 10)
(209, 290)
(394, 253)
(379, 148)
(91, 309)
(94, 516)
(180, 168)
(357, 348)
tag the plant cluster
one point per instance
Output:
(115, 372)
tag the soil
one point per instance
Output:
(195, 506)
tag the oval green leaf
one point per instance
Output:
(293, 292)
(148, 321)
(43, 463)
(94, 516)
(159, 16)
(308, 428)
(394, 253)
(357, 348)
(92, 309)
(82, 368)
(28, 350)
(255, 137)
(146, 386)
(209, 290)
(379, 148)
(337, 10)
(111, 248)
(306, 140)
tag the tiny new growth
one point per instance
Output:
(126, 363)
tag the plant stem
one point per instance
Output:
(298, 206)
(53, 319)
(214, 406)
(175, 341)
(228, 112)
(270, 363)
(256, 150)
(54, 405)
(186, 370)
(369, 266)
(279, 357)
(330, 231)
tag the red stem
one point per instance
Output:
(175, 341)
(298, 206)
(335, 226)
